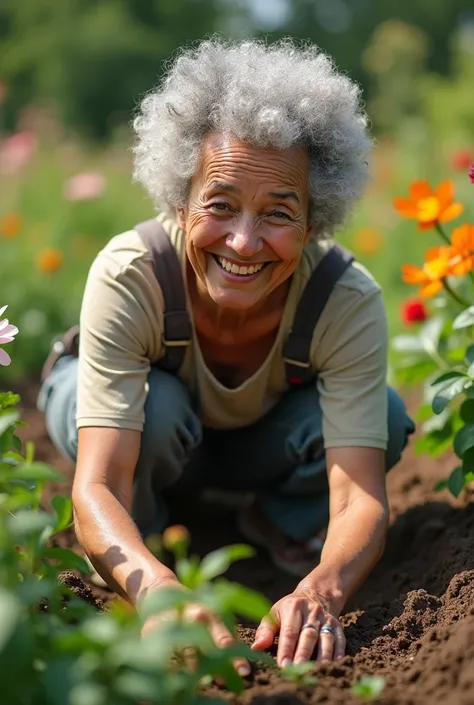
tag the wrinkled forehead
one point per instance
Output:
(226, 157)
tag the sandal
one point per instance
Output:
(296, 559)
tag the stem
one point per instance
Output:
(453, 294)
(442, 233)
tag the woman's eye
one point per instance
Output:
(220, 206)
(280, 214)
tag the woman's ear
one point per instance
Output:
(309, 232)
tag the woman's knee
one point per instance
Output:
(57, 399)
(400, 427)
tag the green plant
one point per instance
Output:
(56, 649)
(369, 688)
(440, 355)
(299, 673)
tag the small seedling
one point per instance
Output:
(369, 688)
(299, 673)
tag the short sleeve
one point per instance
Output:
(350, 354)
(120, 331)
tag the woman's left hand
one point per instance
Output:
(303, 623)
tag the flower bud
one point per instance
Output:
(176, 539)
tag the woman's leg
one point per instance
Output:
(170, 440)
(282, 457)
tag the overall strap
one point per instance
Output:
(296, 351)
(167, 268)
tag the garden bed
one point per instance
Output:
(412, 622)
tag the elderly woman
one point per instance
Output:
(242, 349)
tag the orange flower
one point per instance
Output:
(10, 225)
(49, 261)
(368, 240)
(435, 269)
(462, 240)
(429, 206)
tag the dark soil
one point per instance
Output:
(412, 622)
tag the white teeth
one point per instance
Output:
(235, 269)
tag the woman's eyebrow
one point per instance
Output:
(222, 186)
(285, 195)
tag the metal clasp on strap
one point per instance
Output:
(297, 363)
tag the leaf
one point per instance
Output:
(67, 559)
(407, 343)
(57, 679)
(27, 523)
(10, 611)
(88, 694)
(469, 355)
(39, 472)
(137, 686)
(164, 600)
(447, 391)
(447, 376)
(217, 562)
(369, 687)
(465, 319)
(466, 411)
(441, 485)
(63, 509)
(456, 481)
(17, 444)
(464, 440)
(102, 629)
(431, 333)
(243, 601)
(7, 420)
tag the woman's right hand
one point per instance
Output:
(221, 636)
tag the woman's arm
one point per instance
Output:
(357, 527)
(102, 499)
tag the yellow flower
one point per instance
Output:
(49, 260)
(10, 225)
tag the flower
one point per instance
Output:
(16, 151)
(368, 240)
(462, 158)
(413, 311)
(7, 335)
(49, 260)
(462, 241)
(84, 187)
(435, 269)
(10, 225)
(471, 173)
(429, 207)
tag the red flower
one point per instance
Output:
(462, 158)
(471, 173)
(414, 311)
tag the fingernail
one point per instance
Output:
(243, 671)
(286, 662)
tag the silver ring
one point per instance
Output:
(308, 625)
(327, 629)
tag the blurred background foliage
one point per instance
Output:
(72, 73)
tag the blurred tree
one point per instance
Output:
(92, 60)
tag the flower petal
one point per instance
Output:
(462, 238)
(405, 207)
(426, 226)
(8, 330)
(438, 252)
(451, 212)
(5, 339)
(462, 267)
(5, 358)
(4, 323)
(430, 289)
(445, 194)
(412, 274)
(419, 190)
(3, 309)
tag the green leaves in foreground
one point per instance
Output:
(369, 688)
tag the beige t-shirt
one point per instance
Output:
(121, 332)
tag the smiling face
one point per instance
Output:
(246, 220)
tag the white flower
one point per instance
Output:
(7, 335)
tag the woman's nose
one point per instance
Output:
(244, 239)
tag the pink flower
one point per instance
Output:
(471, 173)
(7, 335)
(84, 187)
(16, 151)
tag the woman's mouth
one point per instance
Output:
(239, 270)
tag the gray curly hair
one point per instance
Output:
(275, 95)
